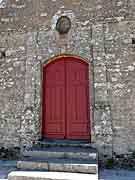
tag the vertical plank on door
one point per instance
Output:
(78, 123)
(54, 98)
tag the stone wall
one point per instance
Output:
(114, 86)
(102, 32)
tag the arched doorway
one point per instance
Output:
(65, 107)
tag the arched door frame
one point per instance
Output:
(54, 58)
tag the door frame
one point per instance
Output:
(50, 60)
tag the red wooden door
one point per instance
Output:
(65, 99)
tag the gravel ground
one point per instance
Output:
(104, 174)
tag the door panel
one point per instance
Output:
(77, 100)
(54, 107)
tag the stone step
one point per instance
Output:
(26, 175)
(61, 165)
(61, 152)
(63, 143)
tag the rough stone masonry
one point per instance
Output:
(102, 31)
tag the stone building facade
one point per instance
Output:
(102, 32)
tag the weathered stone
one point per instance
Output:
(24, 175)
(72, 166)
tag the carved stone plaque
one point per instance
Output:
(63, 25)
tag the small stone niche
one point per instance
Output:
(133, 41)
(2, 54)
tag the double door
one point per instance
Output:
(66, 99)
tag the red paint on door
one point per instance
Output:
(54, 100)
(66, 99)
